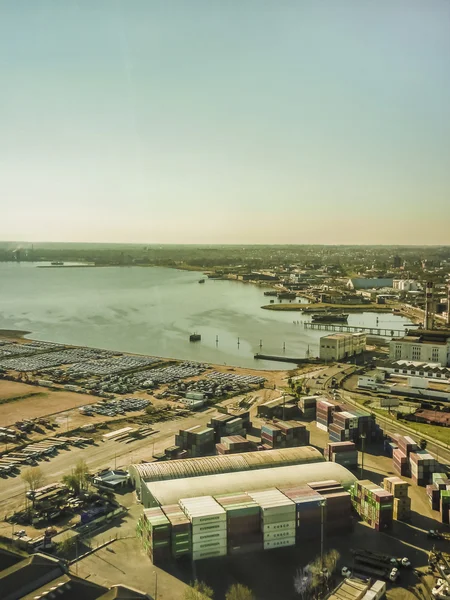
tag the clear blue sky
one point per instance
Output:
(228, 121)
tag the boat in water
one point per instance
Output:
(287, 295)
(195, 337)
(57, 263)
(329, 317)
(201, 281)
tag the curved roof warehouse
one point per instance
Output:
(212, 465)
(158, 493)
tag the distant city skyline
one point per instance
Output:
(241, 122)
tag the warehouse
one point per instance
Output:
(212, 465)
(158, 493)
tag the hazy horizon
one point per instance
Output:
(209, 123)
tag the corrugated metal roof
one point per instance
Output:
(170, 492)
(210, 465)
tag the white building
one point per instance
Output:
(337, 346)
(422, 346)
(406, 285)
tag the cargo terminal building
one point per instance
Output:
(245, 511)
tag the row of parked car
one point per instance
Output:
(116, 407)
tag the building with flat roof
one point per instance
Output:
(338, 346)
(365, 283)
(422, 345)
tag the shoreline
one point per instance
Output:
(310, 308)
(18, 334)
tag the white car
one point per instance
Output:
(393, 574)
(345, 572)
(405, 562)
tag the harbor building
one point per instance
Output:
(422, 345)
(338, 346)
(366, 283)
(406, 285)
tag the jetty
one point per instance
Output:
(381, 331)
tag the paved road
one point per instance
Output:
(104, 454)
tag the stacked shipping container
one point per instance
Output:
(233, 444)
(278, 518)
(196, 441)
(343, 453)
(154, 529)
(324, 414)
(373, 504)
(422, 466)
(309, 505)
(282, 434)
(402, 503)
(209, 526)
(181, 538)
(307, 405)
(243, 523)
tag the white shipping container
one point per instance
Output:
(208, 546)
(209, 554)
(281, 526)
(209, 527)
(271, 544)
(322, 427)
(279, 535)
(209, 537)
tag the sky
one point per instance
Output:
(225, 121)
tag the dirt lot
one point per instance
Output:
(13, 389)
(48, 402)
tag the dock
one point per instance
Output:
(285, 359)
(381, 331)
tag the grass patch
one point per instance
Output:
(441, 434)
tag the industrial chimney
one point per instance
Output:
(428, 323)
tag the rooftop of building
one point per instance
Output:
(170, 492)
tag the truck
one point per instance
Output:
(377, 566)
(434, 534)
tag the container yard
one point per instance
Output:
(197, 440)
(264, 518)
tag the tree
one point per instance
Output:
(316, 575)
(78, 479)
(239, 592)
(198, 590)
(34, 478)
(66, 545)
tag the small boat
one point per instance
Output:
(201, 281)
(195, 337)
(329, 317)
(57, 263)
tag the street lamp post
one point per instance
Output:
(322, 506)
(363, 439)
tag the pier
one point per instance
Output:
(285, 359)
(381, 331)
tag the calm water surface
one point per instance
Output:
(154, 310)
